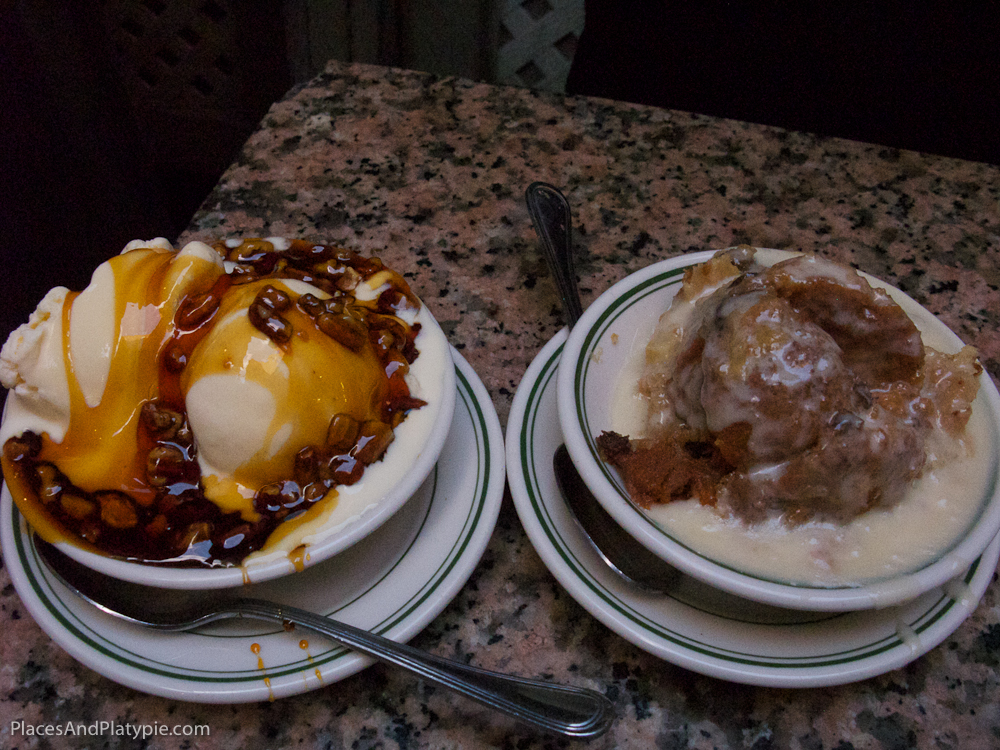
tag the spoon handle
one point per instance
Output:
(570, 711)
(550, 213)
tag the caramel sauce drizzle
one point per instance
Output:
(304, 645)
(255, 648)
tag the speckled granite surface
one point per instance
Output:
(430, 174)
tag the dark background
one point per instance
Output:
(117, 117)
(909, 74)
(111, 130)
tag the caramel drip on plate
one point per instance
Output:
(304, 645)
(255, 647)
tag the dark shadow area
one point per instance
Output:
(116, 120)
(921, 76)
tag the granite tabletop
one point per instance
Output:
(430, 174)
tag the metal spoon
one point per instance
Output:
(550, 213)
(570, 711)
(553, 222)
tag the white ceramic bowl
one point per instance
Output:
(360, 509)
(603, 344)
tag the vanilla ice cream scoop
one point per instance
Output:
(85, 360)
(253, 403)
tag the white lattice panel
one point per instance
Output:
(537, 43)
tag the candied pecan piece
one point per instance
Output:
(27, 445)
(235, 536)
(358, 312)
(75, 506)
(349, 281)
(196, 309)
(314, 492)
(393, 300)
(396, 364)
(164, 463)
(242, 274)
(51, 482)
(117, 509)
(384, 342)
(342, 432)
(344, 468)
(195, 533)
(334, 305)
(277, 496)
(307, 462)
(311, 304)
(251, 251)
(270, 323)
(274, 298)
(330, 269)
(375, 437)
(302, 251)
(344, 329)
(161, 421)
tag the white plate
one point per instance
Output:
(837, 649)
(393, 582)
